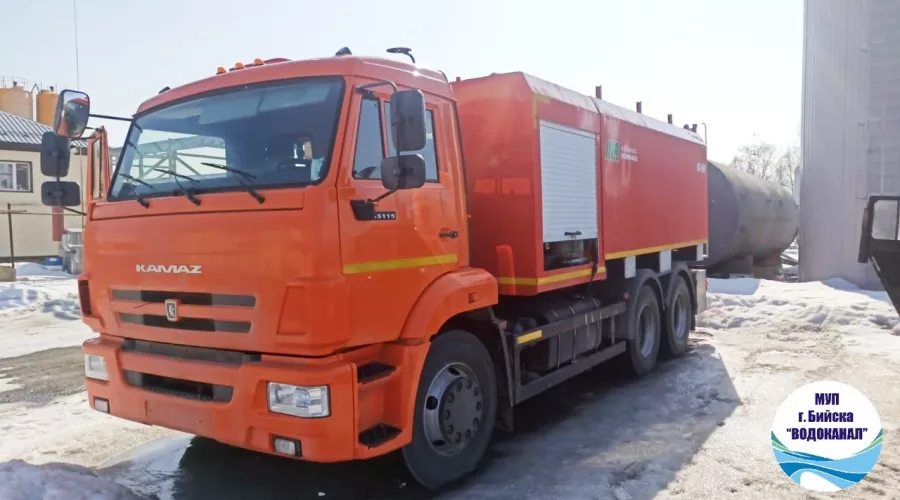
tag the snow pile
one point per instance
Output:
(38, 288)
(833, 305)
(22, 481)
(39, 311)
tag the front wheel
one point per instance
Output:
(456, 406)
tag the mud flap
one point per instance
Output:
(699, 277)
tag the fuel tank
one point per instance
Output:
(748, 216)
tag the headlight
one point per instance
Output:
(306, 402)
(95, 367)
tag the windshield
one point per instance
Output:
(280, 135)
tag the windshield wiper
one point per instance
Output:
(189, 193)
(140, 199)
(240, 173)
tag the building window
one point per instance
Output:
(15, 176)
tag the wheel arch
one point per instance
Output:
(647, 276)
(680, 269)
(450, 296)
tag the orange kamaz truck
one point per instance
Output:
(338, 258)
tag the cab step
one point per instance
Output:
(371, 372)
(377, 435)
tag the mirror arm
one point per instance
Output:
(110, 117)
(79, 212)
(383, 196)
(366, 89)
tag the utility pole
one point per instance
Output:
(75, 22)
(12, 252)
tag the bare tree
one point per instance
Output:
(787, 166)
(768, 162)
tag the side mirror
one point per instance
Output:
(54, 155)
(73, 109)
(403, 172)
(60, 194)
(408, 120)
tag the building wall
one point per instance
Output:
(33, 229)
(850, 129)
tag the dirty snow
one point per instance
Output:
(866, 320)
(67, 430)
(39, 311)
(23, 481)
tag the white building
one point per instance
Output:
(851, 129)
(36, 230)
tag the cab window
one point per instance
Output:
(369, 142)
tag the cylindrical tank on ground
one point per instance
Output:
(46, 106)
(16, 100)
(748, 216)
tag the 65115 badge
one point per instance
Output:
(826, 436)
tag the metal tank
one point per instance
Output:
(16, 100)
(750, 220)
(46, 106)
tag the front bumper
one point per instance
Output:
(245, 421)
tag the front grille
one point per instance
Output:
(190, 353)
(188, 389)
(186, 298)
(195, 324)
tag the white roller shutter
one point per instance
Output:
(568, 182)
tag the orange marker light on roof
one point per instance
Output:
(257, 62)
(239, 65)
(220, 70)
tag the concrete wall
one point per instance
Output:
(850, 137)
(33, 230)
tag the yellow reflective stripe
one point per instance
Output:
(528, 337)
(544, 280)
(642, 251)
(390, 265)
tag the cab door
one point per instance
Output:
(390, 257)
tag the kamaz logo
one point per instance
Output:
(154, 268)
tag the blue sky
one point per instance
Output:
(735, 65)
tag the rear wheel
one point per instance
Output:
(677, 317)
(644, 323)
(456, 406)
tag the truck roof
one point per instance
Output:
(541, 87)
(378, 68)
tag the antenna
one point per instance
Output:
(402, 50)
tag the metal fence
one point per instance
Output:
(31, 232)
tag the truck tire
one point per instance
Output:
(455, 411)
(643, 321)
(677, 324)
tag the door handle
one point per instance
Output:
(448, 233)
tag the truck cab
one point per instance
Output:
(244, 238)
